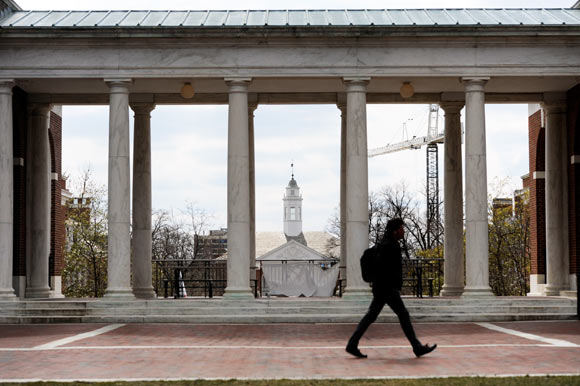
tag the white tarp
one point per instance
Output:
(300, 278)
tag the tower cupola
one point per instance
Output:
(292, 208)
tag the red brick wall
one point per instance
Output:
(573, 125)
(537, 194)
(57, 211)
(20, 124)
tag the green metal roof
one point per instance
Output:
(292, 18)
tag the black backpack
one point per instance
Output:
(369, 264)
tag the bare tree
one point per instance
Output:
(85, 256)
(388, 203)
(509, 250)
(197, 225)
(177, 246)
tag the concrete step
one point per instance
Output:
(315, 310)
(280, 318)
(569, 294)
(288, 310)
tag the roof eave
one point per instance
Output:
(290, 32)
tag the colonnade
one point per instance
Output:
(128, 278)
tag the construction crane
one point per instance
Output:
(431, 140)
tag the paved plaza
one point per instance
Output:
(272, 351)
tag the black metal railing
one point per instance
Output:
(178, 278)
(422, 277)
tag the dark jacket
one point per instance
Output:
(390, 266)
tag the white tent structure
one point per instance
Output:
(293, 269)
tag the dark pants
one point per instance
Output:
(393, 299)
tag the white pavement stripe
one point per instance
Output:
(265, 378)
(553, 342)
(198, 347)
(70, 339)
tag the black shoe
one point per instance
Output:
(423, 349)
(353, 350)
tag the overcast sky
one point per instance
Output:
(189, 143)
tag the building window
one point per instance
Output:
(292, 213)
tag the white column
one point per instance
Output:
(556, 215)
(476, 243)
(141, 242)
(119, 250)
(453, 196)
(252, 172)
(357, 191)
(6, 191)
(342, 107)
(238, 191)
(39, 194)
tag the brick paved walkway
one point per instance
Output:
(178, 351)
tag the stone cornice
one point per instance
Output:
(273, 98)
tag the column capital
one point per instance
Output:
(6, 86)
(142, 108)
(452, 107)
(253, 102)
(252, 106)
(341, 102)
(118, 85)
(452, 97)
(38, 108)
(356, 83)
(118, 80)
(554, 102)
(238, 84)
(474, 83)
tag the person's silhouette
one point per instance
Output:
(386, 290)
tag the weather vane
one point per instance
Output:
(292, 166)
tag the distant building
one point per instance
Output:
(295, 263)
(213, 245)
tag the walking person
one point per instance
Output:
(386, 290)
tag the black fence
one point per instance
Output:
(181, 278)
(208, 278)
(422, 277)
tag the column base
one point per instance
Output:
(56, 285)
(238, 294)
(357, 293)
(119, 294)
(537, 285)
(7, 294)
(144, 293)
(448, 290)
(554, 290)
(37, 293)
(477, 292)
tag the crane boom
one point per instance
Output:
(432, 137)
(414, 143)
(431, 140)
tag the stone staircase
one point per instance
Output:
(281, 310)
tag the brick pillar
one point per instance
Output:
(537, 209)
(57, 229)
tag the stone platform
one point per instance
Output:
(281, 310)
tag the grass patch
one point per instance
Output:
(455, 381)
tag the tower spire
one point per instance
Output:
(292, 207)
